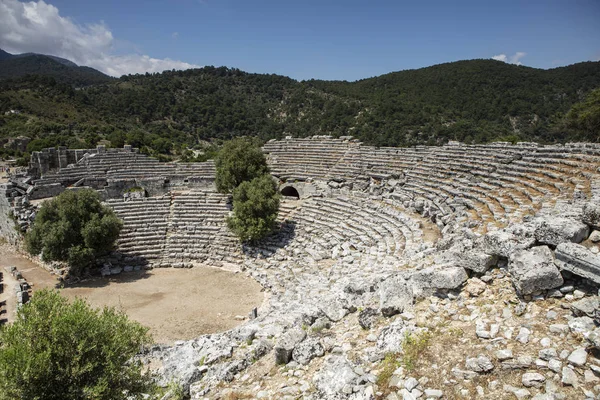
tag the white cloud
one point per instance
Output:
(514, 59)
(38, 27)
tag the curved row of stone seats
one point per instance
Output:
(503, 188)
(309, 158)
(345, 229)
(197, 229)
(378, 163)
(125, 165)
(145, 223)
(498, 182)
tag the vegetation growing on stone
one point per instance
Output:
(255, 207)
(56, 350)
(74, 227)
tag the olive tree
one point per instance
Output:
(74, 227)
(61, 350)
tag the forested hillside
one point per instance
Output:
(62, 70)
(473, 101)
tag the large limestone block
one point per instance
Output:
(395, 295)
(578, 260)
(428, 280)
(534, 269)
(286, 344)
(477, 261)
(556, 230)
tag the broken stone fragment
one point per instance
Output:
(591, 214)
(335, 374)
(475, 287)
(569, 377)
(308, 349)
(532, 379)
(368, 317)
(479, 364)
(286, 344)
(578, 357)
(588, 306)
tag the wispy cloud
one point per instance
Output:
(175, 35)
(514, 59)
(38, 27)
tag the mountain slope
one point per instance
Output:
(471, 101)
(60, 60)
(4, 55)
(63, 71)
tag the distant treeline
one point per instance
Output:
(472, 101)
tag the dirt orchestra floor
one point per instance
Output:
(176, 304)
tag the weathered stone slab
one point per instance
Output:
(534, 269)
(556, 230)
(578, 260)
(478, 262)
(429, 280)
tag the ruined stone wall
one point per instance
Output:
(7, 225)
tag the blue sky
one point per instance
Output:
(336, 39)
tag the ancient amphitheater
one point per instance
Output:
(373, 244)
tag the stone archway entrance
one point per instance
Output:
(290, 191)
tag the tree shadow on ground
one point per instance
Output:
(124, 267)
(268, 247)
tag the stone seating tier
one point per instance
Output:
(500, 182)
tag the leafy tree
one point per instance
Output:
(73, 227)
(255, 207)
(57, 350)
(162, 145)
(239, 160)
(136, 138)
(117, 139)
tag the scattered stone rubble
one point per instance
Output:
(22, 288)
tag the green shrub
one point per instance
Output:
(255, 207)
(56, 350)
(239, 160)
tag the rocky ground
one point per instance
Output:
(495, 315)
(480, 342)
